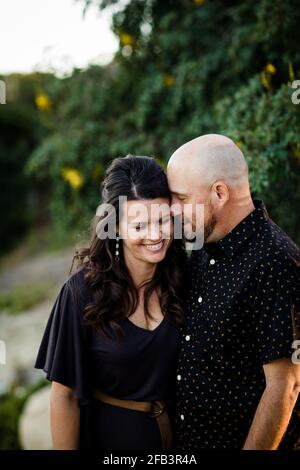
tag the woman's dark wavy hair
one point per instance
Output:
(114, 293)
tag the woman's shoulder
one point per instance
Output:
(77, 285)
(78, 275)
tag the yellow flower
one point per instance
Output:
(169, 80)
(270, 68)
(291, 72)
(266, 74)
(296, 152)
(266, 80)
(127, 39)
(73, 177)
(199, 2)
(43, 102)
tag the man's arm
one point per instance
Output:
(276, 405)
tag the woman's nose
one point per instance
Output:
(155, 233)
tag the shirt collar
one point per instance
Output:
(240, 233)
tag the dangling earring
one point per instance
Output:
(117, 248)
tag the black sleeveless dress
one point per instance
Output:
(142, 366)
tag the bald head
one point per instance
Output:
(209, 158)
(208, 177)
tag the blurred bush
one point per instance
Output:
(22, 127)
(11, 407)
(183, 68)
(25, 297)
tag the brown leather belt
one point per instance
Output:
(154, 409)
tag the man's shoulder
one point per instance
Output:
(274, 254)
(278, 246)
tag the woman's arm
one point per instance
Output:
(65, 417)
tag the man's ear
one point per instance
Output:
(220, 193)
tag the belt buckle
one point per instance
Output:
(154, 414)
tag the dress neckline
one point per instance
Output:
(146, 329)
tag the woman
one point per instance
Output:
(111, 342)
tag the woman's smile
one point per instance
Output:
(154, 247)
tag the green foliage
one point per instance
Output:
(22, 128)
(24, 297)
(183, 68)
(266, 127)
(11, 406)
(10, 410)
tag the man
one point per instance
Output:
(238, 375)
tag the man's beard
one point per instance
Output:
(208, 229)
(209, 226)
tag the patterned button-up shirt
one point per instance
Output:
(243, 311)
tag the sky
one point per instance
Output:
(52, 35)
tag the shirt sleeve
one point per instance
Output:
(63, 352)
(277, 311)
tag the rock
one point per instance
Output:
(22, 335)
(34, 423)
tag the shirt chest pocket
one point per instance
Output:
(223, 322)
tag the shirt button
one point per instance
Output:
(187, 338)
(182, 417)
(178, 377)
(212, 261)
(200, 299)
